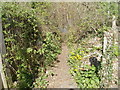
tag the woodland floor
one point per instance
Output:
(61, 78)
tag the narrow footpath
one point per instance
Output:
(61, 77)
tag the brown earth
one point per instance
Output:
(61, 78)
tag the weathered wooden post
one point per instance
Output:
(2, 74)
(115, 30)
(104, 42)
(2, 51)
(1, 85)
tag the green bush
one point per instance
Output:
(51, 48)
(24, 40)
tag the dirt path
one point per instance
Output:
(61, 77)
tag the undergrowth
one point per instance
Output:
(86, 76)
(29, 49)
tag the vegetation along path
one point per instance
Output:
(61, 77)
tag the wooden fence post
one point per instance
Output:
(2, 46)
(1, 85)
(2, 74)
(115, 30)
(104, 42)
(2, 52)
